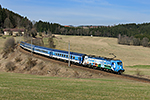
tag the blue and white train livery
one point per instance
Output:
(78, 58)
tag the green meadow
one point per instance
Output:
(14, 86)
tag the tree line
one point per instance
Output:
(9, 19)
(135, 33)
(125, 40)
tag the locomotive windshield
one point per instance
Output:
(119, 63)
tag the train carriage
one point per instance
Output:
(43, 50)
(27, 46)
(74, 57)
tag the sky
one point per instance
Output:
(82, 12)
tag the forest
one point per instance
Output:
(127, 34)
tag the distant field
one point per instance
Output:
(30, 87)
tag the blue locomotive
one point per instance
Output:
(108, 64)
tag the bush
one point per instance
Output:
(76, 74)
(145, 42)
(10, 66)
(41, 66)
(55, 70)
(30, 64)
(9, 46)
(51, 42)
(138, 72)
(3, 37)
(18, 59)
(38, 41)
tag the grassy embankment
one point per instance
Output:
(22, 87)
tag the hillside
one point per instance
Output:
(10, 19)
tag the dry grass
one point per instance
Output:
(130, 55)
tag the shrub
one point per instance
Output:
(9, 46)
(145, 42)
(76, 74)
(18, 59)
(4, 37)
(38, 41)
(138, 72)
(51, 42)
(55, 70)
(41, 66)
(30, 64)
(10, 66)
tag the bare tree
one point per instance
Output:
(9, 46)
(51, 42)
(145, 42)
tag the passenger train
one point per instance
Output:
(109, 64)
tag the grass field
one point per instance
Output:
(29, 87)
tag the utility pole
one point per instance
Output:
(31, 45)
(19, 41)
(69, 54)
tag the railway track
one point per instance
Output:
(125, 76)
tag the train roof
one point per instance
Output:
(43, 48)
(62, 51)
(102, 58)
(72, 53)
(26, 43)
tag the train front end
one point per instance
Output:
(118, 66)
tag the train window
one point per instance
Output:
(62, 55)
(73, 57)
(38, 50)
(44, 51)
(58, 54)
(119, 63)
(66, 56)
(79, 58)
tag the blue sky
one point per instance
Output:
(82, 12)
